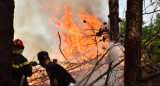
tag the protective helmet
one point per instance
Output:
(18, 43)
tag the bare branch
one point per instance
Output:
(151, 76)
(151, 12)
(96, 80)
(60, 46)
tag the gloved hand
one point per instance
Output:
(33, 63)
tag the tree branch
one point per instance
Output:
(151, 12)
(96, 80)
(151, 76)
(60, 46)
(144, 44)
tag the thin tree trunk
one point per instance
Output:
(6, 39)
(114, 19)
(114, 27)
(132, 71)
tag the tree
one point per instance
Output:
(6, 39)
(132, 71)
(151, 41)
(114, 19)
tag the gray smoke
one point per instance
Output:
(32, 27)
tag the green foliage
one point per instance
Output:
(150, 48)
(123, 26)
(151, 51)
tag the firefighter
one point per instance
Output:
(57, 74)
(21, 68)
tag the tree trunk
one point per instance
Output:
(6, 40)
(132, 71)
(114, 28)
(114, 19)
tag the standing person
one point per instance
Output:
(57, 74)
(21, 68)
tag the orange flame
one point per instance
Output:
(78, 38)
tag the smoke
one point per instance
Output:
(115, 52)
(95, 7)
(32, 27)
(114, 56)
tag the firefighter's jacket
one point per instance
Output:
(20, 68)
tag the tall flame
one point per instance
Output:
(77, 38)
(78, 35)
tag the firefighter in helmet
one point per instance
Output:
(21, 68)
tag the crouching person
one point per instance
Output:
(57, 74)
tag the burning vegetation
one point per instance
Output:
(90, 49)
(84, 48)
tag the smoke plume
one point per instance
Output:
(32, 27)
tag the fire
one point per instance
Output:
(78, 34)
(39, 78)
(77, 38)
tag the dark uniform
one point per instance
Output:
(20, 70)
(56, 71)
